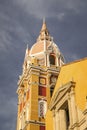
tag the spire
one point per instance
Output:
(44, 33)
(44, 26)
(44, 20)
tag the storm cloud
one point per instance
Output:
(20, 23)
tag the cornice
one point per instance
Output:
(62, 90)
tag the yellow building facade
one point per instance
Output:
(68, 106)
(41, 68)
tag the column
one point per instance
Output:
(73, 108)
(45, 58)
(62, 115)
(48, 63)
(57, 61)
(70, 111)
(57, 118)
(44, 45)
(54, 120)
(45, 51)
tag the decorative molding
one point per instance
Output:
(60, 93)
(35, 122)
(85, 112)
(37, 53)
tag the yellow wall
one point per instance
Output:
(34, 127)
(49, 120)
(76, 71)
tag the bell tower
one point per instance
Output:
(41, 68)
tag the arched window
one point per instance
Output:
(52, 59)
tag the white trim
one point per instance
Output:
(44, 45)
(37, 53)
(57, 62)
(32, 48)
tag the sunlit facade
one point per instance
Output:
(68, 106)
(41, 68)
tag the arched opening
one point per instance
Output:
(52, 59)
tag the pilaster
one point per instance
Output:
(54, 120)
(62, 115)
(74, 110)
(57, 120)
(70, 110)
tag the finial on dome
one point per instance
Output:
(43, 20)
(44, 33)
(44, 27)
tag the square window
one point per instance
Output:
(42, 91)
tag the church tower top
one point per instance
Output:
(45, 51)
(44, 33)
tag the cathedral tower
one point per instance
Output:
(41, 68)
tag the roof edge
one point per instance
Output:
(85, 58)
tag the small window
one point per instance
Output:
(52, 59)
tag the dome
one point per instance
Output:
(43, 41)
(39, 47)
(45, 51)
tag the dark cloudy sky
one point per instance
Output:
(20, 23)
